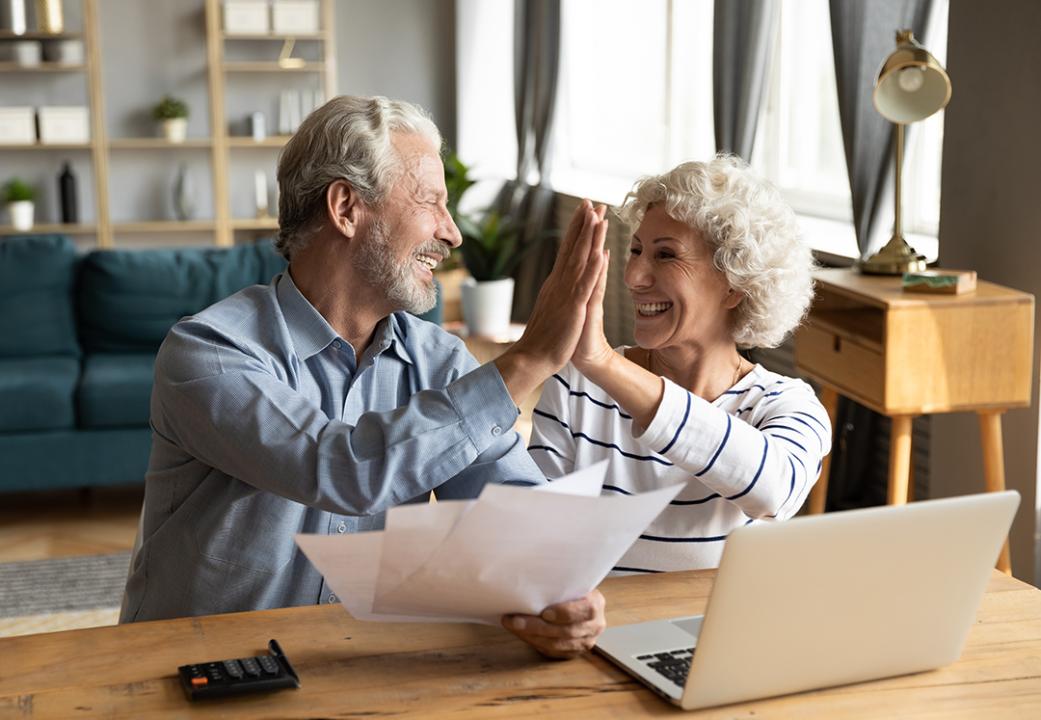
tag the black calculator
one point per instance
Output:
(221, 678)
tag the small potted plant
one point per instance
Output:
(19, 195)
(491, 252)
(172, 116)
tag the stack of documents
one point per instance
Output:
(512, 550)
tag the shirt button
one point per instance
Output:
(496, 430)
(336, 344)
(341, 528)
(332, 599)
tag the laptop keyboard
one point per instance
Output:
(673, 665)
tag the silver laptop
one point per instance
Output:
(826, 600)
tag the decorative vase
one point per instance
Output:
(49, 16)
(175, 130)
(184, 194)
(68, 196)
(21, 215)
(487, 306)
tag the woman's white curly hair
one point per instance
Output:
(753, 234)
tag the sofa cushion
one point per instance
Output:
(115, 390)
(129, 299)
(36, 393)
(36, 286)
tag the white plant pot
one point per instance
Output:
(175, 130)
(21, 214)
(487, 306)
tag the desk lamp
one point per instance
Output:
(911, 85)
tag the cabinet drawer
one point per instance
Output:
(857, 371)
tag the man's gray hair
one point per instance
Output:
(348, 138)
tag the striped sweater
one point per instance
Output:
(751, 455)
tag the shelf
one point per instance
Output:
(273, 36)
(42, 67)
(157, 143)
(254, 224)
(8, 35)
(273, 67)
(273, 141)
(163, 226)
(49, 228)
(48, 146)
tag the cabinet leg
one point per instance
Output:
(819, 493)
(994, 468)
(899, 459)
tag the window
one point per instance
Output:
(635, 97)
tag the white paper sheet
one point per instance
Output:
(514, 549)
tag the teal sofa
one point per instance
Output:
(78, 338)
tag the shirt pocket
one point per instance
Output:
(254, 532)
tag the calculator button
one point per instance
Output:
(233, 668)
(198, 681)
(251, 667)
(269, 664)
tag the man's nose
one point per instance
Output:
(450, 232)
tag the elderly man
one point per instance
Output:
(317, 402)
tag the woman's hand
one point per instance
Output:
(593, 350)
(558, 317)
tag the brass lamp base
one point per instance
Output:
(896, 258)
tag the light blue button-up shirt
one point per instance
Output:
(265, 424)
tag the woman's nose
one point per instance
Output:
(636, 273)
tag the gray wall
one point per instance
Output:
(990, 220)
(403, 49)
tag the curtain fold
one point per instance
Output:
(863, 34)
(743, 36)
(536, 67)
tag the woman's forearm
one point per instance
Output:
(636, 390)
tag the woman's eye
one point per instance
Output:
(665, 255)
(634, 251)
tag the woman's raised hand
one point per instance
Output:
(593, 349)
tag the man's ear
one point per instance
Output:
(344, 207)
(733, 298)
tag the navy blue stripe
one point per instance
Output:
(757, 386)
(600, 443)
(521, 483)
(811, 417)
(726, 436)
(576, 393)
(788, 439)
(686, 414)
(713, 496)
(615, 488)
(629, 569)
(762, 463)
(734, 392)
(715, 538)
(782, 426)
(750, 407)
(791, 489)
(816, 434)
(777, 392)
(548, 449)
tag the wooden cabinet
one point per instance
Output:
(905, 354)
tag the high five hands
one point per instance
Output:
(557, 324)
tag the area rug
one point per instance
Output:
(61, 593)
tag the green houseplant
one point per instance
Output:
(19, 196)
(172, 115)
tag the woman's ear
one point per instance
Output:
(733, 299)
(344, 207)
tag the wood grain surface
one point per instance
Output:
(351, 669)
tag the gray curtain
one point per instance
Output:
(743, 34)
(863, 33)
(536, 65)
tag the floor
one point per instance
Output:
(37, 526)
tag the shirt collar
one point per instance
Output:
(312, 333)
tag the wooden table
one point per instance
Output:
(352, 669)
(904, 354)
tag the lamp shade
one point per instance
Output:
(911, 84)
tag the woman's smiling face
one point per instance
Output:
(681, 298)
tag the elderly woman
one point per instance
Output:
(715, 264)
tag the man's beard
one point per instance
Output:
(398, 280)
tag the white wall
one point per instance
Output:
(990, 220)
